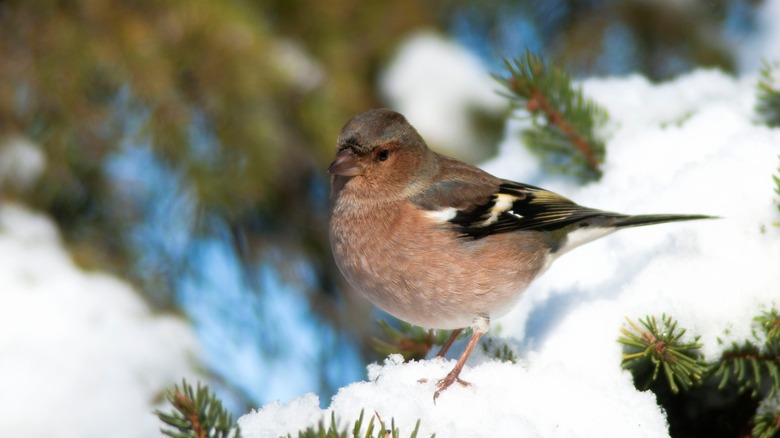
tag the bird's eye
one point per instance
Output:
(383, 155)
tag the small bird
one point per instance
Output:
(440, 243)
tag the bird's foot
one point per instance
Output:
(446, 382)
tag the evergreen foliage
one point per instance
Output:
(776, 178)
(731, 395)
(659, 346)
(197, 414)
(333, 431)
(564, 123)
(659, 39)
(754, 364)
(768, 104)
(234, 108)
(499, 350)
(410, 341)
(766, 423)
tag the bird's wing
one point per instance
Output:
(481, 208)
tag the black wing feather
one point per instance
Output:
(485, 208)
(518, 206)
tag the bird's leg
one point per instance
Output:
(479, 327)
(446, 347)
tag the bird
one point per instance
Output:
(440, 243)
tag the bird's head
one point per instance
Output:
(379, 149)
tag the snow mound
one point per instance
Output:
(81, 354)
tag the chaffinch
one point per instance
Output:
(440, 243)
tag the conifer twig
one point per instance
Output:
(538, 102)
(566, 140)
(769, 321)
(659, 346)
(753, 365)
(186, 406)
(768, 103)
(756, 361)
(766, 422)
(198, 414)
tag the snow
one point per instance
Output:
(81, 354)
(691, 145)
(505, 400)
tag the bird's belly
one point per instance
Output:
(447, 287)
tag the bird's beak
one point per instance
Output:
(345, 164)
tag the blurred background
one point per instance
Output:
(182, 145)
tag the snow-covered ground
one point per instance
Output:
(81, 354)
(691, 145)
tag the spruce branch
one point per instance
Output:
(756, 362)
(564, 121)
(659, 346)
(412, 342)
(741, 388)
(745, 363)
(768, 104)
(766, 422)
(498, 350)
(197, 414)
(769, 322)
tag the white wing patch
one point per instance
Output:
(503, 205)
(442, 216)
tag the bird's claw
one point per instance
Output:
(446, 382)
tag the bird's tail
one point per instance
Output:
(650, 219)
